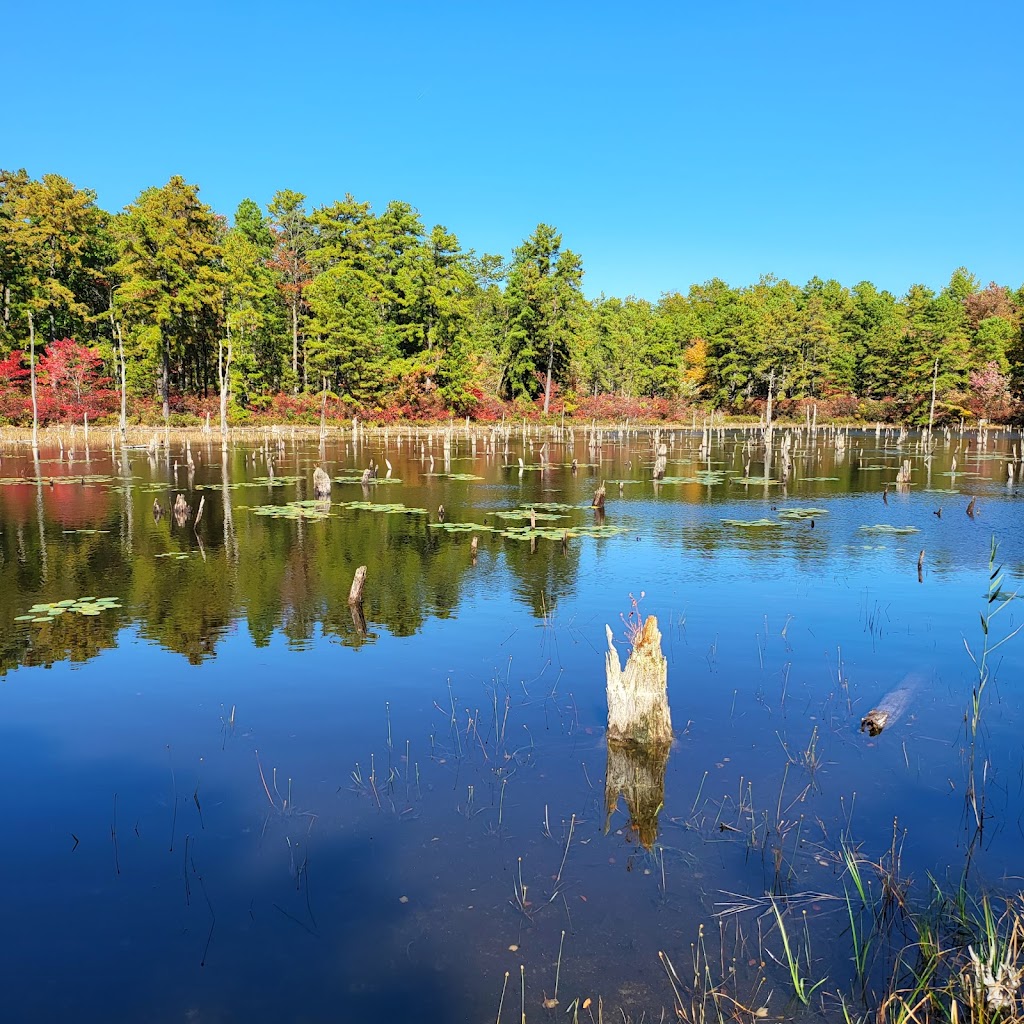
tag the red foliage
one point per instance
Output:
(610, 408)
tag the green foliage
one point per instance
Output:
(391, 315)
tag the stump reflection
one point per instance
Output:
(637, 773)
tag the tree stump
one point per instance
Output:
(599, 495)
(321, 484)
(355, 594)
(181, 510)
(638, 709)
(639, 731)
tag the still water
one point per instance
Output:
(229, 798)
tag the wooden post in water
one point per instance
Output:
(639, 731)
(355, 600)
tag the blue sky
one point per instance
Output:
(669, 142)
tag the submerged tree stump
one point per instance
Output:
(598, 501)
(638, 709)
(321, 484)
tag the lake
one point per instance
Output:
(228, 797)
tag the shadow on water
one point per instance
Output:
(146, 896)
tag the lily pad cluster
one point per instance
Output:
(88, 606)
(802, 513)
(753, 524)
(372, 480)
(392, 508)
(313, 510)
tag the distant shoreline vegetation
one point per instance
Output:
(286, 315)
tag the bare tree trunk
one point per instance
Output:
(165, 380)
(124, 384)
(295, 339)
(32, 374)
(223, 366)
(931, 411)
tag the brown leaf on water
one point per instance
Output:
(550, 1004)
(586, 1003)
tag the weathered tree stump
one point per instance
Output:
(321, 484)
(366, 477)
(661, 462)
(355, 594)
(638, 711)
(158, 510)
(599, 495)
(181, 510)
(639, 731)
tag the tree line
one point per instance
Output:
(285, 310)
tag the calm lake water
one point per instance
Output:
(227, 801)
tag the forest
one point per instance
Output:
(287, 314)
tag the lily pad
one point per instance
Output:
(752, 524)
(802, 513)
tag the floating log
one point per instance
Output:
(638, 709)
(890, 707)
(321, 484)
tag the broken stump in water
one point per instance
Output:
(181, 510)
(355, 600)
(599, 495)
(355, 594)
(321, 484)
(639, 730)
(638, 709)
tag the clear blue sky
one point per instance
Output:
(668, 142)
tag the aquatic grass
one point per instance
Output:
(793, 959)
(994, 604)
